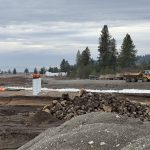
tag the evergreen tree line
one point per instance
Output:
(14, 71)
(109, 60)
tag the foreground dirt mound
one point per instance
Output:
(122, 127)
(67, 108)
(42, 117)
(98, 131)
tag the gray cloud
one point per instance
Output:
(71, 10)
(60, 27)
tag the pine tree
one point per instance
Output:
(148, 65)
(35, 70)
(113, 58)
(78, 59)
(50, 69)
(104, 48)
(84, 67)
(55, 70)
(26, 70)
(127, 57)
(14, 71)
(64, 66)
(42, 70)
(9, 71)
(85, 57)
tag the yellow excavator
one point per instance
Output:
(134, 77)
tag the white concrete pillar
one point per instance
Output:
(36, 85)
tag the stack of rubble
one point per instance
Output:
(87, 102)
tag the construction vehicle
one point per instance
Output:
(93, 77)
(118, 76)
(134, 77)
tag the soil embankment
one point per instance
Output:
(22, 117)
(18, 122)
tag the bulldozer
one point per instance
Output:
(135, 77)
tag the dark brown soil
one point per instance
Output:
(43, 117)
(21, 118)
(20, 124)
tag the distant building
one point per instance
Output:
(59, 74)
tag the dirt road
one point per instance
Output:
(95, 84)
(26, 81)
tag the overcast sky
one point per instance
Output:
(43, 32)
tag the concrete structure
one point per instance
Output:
(59, 74)
(36, 84)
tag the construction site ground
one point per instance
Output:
(17, 108)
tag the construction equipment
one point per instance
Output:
(118, 76)
(93, 77)
(134, 77)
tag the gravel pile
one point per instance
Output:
(67, 108)
(89, 127)
(95, 131)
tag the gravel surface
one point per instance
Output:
(98, 130)
(26, 81)
(94, 84)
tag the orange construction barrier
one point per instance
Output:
(36, 75)
(2, 89)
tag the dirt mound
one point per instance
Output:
(122, 127)
(66, 108)
(87, 102)
(42, 117)
(98, 130)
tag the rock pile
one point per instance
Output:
(86, 102)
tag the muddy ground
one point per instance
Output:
(17, 108)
